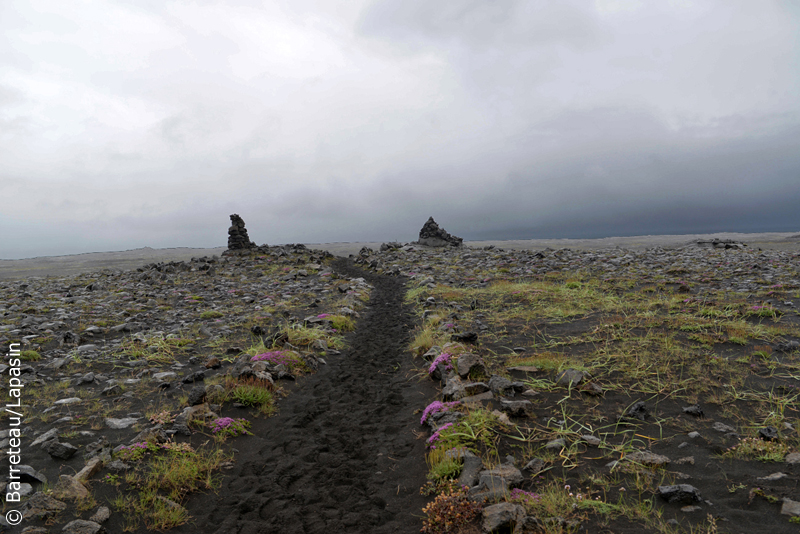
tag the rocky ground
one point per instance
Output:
(615, 390)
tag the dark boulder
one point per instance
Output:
(680, 493)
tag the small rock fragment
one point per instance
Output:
(569, 377)
(591, 440)
(119, 424)
(81, 526)
(62, 451)
(647, 458)
(790, 507)
(592, 388)
(197, 395)
(523, 408)
(769, 433)
(556, 444)
(471, 364)
(638, 411)
(722, 427)
(504, 516)
(773, 477)
(42, 506)
(535, 465)
(101, 515)
(47, 436)
(68, 488)
(792, 458)
(693, 410)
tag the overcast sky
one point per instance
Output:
(131, 123)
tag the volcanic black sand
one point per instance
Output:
(341, 455)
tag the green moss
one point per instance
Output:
(30, 355)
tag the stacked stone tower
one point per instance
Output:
(237, 235)
(433, 236)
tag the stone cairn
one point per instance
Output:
(720, 243)
(433, 236)
(237, 235)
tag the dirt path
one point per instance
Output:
(341, 456)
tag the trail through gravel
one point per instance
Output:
(341, 455)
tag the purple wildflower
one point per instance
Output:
(442, 358)
(226, 426)
(323, 315)
(278, 357)
(436, 407)
(436, 435)
(221, 424)
(527, 496)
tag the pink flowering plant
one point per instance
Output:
(444, 358)
(765, 310)
(436, 436)
(523, 497)
(436, 407)
(225, 427)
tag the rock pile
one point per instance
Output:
(434, 236)
(237, 235)
(720, 243)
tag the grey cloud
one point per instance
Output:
(479, 24)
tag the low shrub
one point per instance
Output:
(450, 511)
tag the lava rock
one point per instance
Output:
(101, 515)
(769, 433)
(30, 475)
(638, 411)
(197, 376)
(503, 517)
(694, 410)
(470, 364)
(680, 493)
(569, 377)
(42, 506)
(523, 408)
(501, 386)
(197, 395)
(62, 451)
(465, 337)
(68, 487)
(81, 526)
